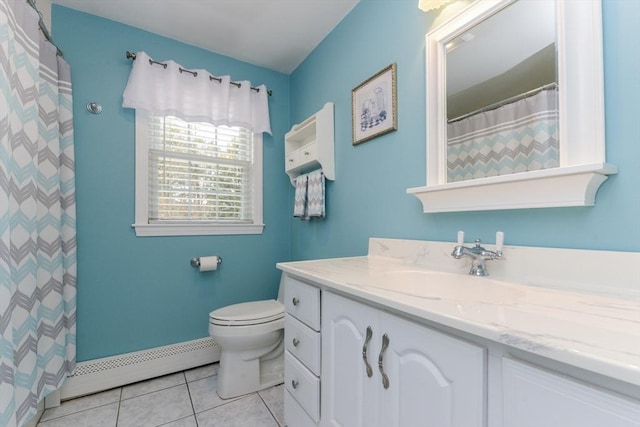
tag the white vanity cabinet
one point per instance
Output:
(433, 378)
(310, 145)
(302, 353)
(506, 356)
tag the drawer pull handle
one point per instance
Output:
(294, 384)
(385, 344)
(295, 301)
(296, 341)
(364, 351)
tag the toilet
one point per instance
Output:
(250, 336)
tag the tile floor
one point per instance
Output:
(184, 399)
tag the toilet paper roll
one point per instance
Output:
(209, 263)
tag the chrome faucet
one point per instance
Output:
(478, 254)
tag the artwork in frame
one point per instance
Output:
(374, 106)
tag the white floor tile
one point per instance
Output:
(156, 408)
(170, 401)
(204, 395)
(246, 411)
(274, 399)
(82, 403)
(183, 422)
(102, 416)
(155, 384)
(201, 372)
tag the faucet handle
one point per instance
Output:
(499, 241)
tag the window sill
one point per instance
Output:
(149, 230)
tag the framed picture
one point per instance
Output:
(374, 106)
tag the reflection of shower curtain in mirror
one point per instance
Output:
(517, 137)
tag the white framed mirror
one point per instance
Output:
(553, 154)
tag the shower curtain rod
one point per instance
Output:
(43, 28)
(505, 101)
(132, 56)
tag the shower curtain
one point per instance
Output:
(37, 216)
(520, 136)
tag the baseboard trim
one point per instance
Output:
(106, 373)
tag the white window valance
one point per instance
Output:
(169, 89)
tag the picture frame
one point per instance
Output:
(374, 106)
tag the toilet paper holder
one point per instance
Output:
(195, 262)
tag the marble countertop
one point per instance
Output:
(596, 333)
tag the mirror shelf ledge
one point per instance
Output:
(557, 187)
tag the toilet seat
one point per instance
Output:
(247, 313)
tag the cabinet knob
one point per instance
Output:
(290, 160)
(296, 341)
(306, 153)
(295, 301)
(294, 384)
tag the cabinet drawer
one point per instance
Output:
(302, 157)
(536, 397)
(294, 415)
(302, 301)
(302, 342)
(291, 161)
(308, 153)
(303, 385)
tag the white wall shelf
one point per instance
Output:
(309, 145)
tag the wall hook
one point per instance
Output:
(94, 108)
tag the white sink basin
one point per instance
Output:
(445, 286)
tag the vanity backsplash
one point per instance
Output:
(607, 273)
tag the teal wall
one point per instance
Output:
(136, 293)
(140, 292)
(368, 196)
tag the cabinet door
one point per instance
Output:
(535, 397)
(346, 388)
(435, 380)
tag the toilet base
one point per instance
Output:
(246, 377)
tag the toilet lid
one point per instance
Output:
(247, 313)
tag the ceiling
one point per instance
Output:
(274, 34)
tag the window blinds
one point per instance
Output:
(199, 172)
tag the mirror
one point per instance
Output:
(502, 85)
(515, 107)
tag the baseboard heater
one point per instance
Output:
(103, 374)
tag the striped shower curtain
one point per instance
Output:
(37, 216)
(516, 137)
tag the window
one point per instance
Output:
(196, 178)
